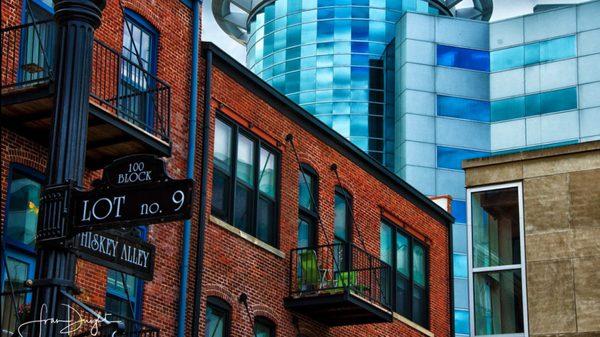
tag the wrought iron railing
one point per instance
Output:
(126, 89)
(27, 54)
(119, 85)
(338, 268)
(84, 319)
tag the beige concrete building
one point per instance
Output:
(543, 205)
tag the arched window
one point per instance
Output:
(263, 327)
(308, 192)
(218, 318)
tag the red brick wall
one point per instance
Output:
(234, 265)
(173, 21)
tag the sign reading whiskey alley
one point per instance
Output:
(118, 251)
(134, 190)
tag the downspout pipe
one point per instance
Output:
(203, 187)
(187, 224)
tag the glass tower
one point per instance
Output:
(327, 56)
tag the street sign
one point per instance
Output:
(134, 190)
(118, 251)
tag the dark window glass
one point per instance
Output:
(463, 108)
(244, 181)
(463, 58)
(408, 258)
(264, 328)
(23, 207)
(451, 158)
(341, 219)
(307, 207)
(217, 318)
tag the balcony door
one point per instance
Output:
(138, 66)
(37, 42)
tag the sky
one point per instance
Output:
(502, 9)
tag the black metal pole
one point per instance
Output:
(55, 266)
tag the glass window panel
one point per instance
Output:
(498, 302)
(532, 53)
(245, 160)
(461, 321)
(23, 207)
(451, 158)
(305, 188)
(510, 108)
(222, 147)
(402, 254)
(306, 232)
(460, 265)
(385, 241)
(243, 208)
(267, 173)
(19, 272)
(459, 211)
(419, 265)
(495, 221)
(221, 194)
(463, 108)
(262, 330)
(118, 306)
(463, 58)
(507, 58)
(215, 322)
(266, 220)
(419, 306)
(402, 295)
(341, 218)
(557, 49)
(558, 100)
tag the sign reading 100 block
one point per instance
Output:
(134, 190)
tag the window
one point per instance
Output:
(245, 176)
(533, 53)
(307, 207)
(22, 209)
(342, 228)
(139, 49)
(263, 327)
(123, 291)
(534, 104)
(451, 158)
(463, 108)
(463, 58)
(409, 295)
(218, 318)
(496, 256)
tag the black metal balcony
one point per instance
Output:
(129, 107)
(339, 284)
(85, 319)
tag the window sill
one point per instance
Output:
(413, 325)
(247, 237)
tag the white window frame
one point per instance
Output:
(522, 265)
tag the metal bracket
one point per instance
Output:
(53, 222)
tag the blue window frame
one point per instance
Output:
(463, 58)
(140, 40)
(451, 158)
(464, 108)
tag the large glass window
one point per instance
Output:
(463, 58)
(342, 223)
(534, 104)
(451, 158)
(496, 231)
(22, 209)
(464, 108)
(245, 176)
(263, 327)
(409, 295)
(533, 53)
(218, 318)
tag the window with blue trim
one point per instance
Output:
(451, 158)
(463, 108)
(533, 53)
(534, 104)
(463, 58)
(140, 50)
(20, 228)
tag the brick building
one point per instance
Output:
(262, 212)
(294, 256)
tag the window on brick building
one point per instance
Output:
(245, 180)
(218, 318)
(409, 293)
(263, 327)
(342, 234)
(308, 191)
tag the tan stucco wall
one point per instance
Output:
(561, 191)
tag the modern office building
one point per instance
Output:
(534, 226)
(449, 88)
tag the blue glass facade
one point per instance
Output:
(326, 55)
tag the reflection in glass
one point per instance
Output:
(23, 207)
(498, 302)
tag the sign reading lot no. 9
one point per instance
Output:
(132, 205)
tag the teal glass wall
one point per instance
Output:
(533, 53)
(328, 56)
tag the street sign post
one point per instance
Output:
(118, 251)
(134, 190)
